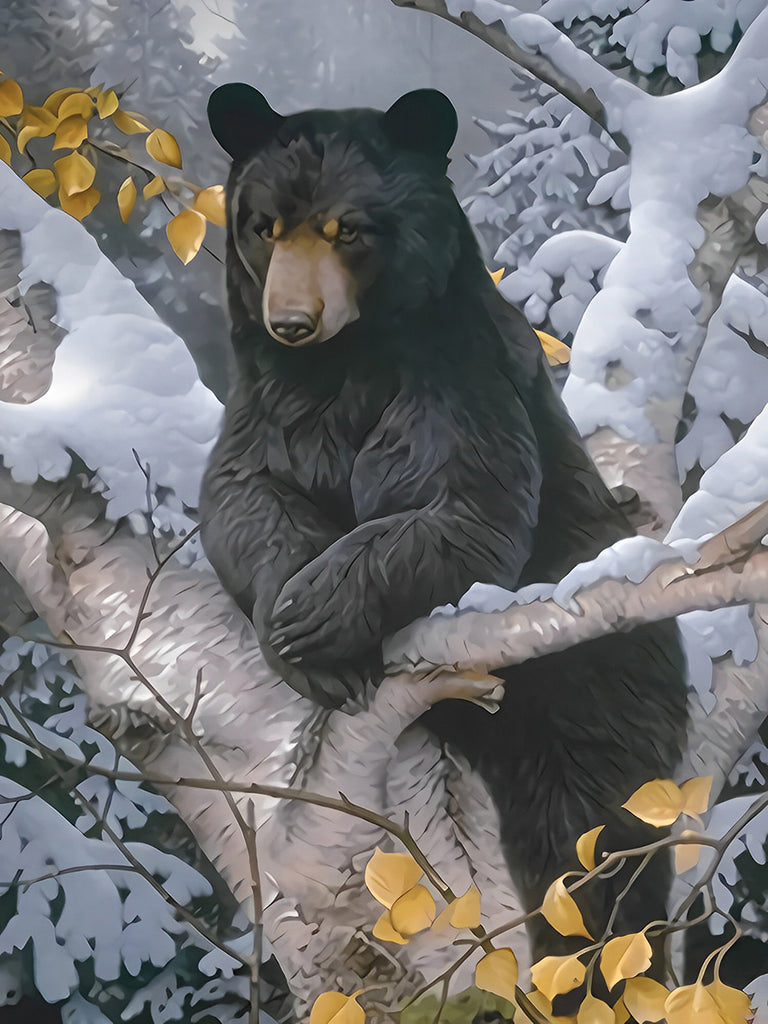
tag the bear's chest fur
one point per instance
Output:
(308, 431)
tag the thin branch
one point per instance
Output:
(757, 806)
(256, 949)
(25, 883)
(146, 473)
(133, 861)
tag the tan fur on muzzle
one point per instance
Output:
(309, 295)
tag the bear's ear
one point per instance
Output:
(424, 121)
(241, 119)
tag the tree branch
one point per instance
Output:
(732, 569)
(543, 51)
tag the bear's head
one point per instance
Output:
(335, 216)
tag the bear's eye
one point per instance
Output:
(346, 232)
(269, 229)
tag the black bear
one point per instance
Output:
(393, 436)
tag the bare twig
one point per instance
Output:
(133, 861)
(720, 846)
(146, 473)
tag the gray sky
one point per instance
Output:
(340, 53)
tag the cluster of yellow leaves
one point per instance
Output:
(713, 1003)
(394, 881)
(623, 958)
(66, 114)
(185, 231)
(662, 801)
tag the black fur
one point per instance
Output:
(361, 482)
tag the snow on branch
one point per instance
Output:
(119, 373)
(536, 45)
(636, 581)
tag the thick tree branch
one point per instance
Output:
(732, 569)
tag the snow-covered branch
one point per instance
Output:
(636, 581)
(536, 45)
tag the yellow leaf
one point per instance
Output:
(210, 202)
(626, 956)
(497, 973)
(414, 911)
(645, 999)
(733, 1004)
(496, 275)
(55, 99)
(106, 102)
(383, 930)
(585, 847)
(336, 1008)
(154, 187)
(37, 123)
(556, 352)
(128, 123)
(5, 150)
(620, 1012)
(658, 802)
(80, 204)
(690, 1003)
(696, 794)
(465, 911)
(24, 136)
(71, 133)
(687, 856)
(389, 875)
(560, 910)
(11, 98)
(594, 1011)
(555, 975)
(715, 1003)
(126, 198)
(75, 173)
(79, 103)
(186, 233)
(41, 181)
(39, 117)
(162, 146)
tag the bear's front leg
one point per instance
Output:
(384, 574)
(445, 497)
(257, 532)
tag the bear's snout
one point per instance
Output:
(292, 326)
(309, 295)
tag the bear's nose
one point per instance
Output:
(292, 325)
